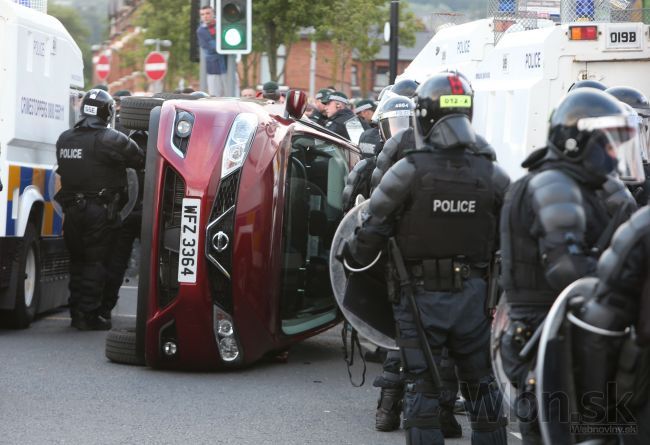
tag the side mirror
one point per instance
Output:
(296, 103)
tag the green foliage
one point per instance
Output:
(168, 20)
(278, 22)
(79, 31)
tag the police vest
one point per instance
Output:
(452, 212)
(82, 166)
(523, 275)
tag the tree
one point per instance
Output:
(278, 22)
(169, 20)
(354, 27)
(79, 31)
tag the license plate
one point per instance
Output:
(188, 251)
(623, 36)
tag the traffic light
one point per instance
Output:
(234, 23)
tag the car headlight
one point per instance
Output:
(238, 142)
(183, 128)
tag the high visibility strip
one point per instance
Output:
(57, 225)
(48, 219)
(14, 180)
(38, 179)
(26, 177)
(11, 225)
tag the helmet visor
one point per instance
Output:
(619, 135)
(384, 98)
(644, 136)
(392, 122)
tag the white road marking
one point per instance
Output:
(517, 435)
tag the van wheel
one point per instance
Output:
(120, 347)
(135, 111)
(25, 282)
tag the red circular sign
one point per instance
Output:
(155, 66)
(102, 67)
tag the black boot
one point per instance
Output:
(389, 409)
(92, 322)
(448, 424)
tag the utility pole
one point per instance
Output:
(394, 39)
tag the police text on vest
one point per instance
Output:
(71, 153)
(453, 206)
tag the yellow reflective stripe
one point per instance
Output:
(14, 180)
(455, 101)
(48, 219)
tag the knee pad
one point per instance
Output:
(388, 380)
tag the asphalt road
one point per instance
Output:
(57, 387)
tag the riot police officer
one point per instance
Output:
(640, 104)
(340, 119)
(587, 83)
(91, 162)
(610, 328)
(394, 115)
(441, 202)
(554, 223)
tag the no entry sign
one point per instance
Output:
(155, 65)
(102, 67)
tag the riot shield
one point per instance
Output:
(355, 129)
(500, 324)
(133, 187)
(556, 399)
(362, 296)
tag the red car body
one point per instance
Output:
(256, 263)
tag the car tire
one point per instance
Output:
(135, 111)
(25, 282)
(120, 347)
(169, 96)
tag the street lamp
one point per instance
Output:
(158, 43)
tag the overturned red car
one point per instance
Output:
(242, 199)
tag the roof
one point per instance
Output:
(406, 53)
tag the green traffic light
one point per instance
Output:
(232, 37)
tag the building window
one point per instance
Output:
(382, 74)
(354, 80)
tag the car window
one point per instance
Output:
(316, 175)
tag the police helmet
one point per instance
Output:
(633, 97)
(405, 87)
(440, 95)
(591, 127)
(588, 83)
(395, 115)
(98, 104)
(386, 89)
(199, 94)
(636, 100)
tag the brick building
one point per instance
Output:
(356, 80)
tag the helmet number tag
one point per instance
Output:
(89, 109)
(455, 101)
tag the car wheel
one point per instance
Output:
(25, 282)
(135, 111)
(120, 347)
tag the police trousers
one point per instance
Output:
(523, 323)
(89, 236)
(455, 320)
(118, 260)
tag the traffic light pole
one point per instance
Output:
(394, 39)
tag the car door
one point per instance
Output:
(316, 173)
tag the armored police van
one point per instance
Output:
(521, 64)
(41, 73)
